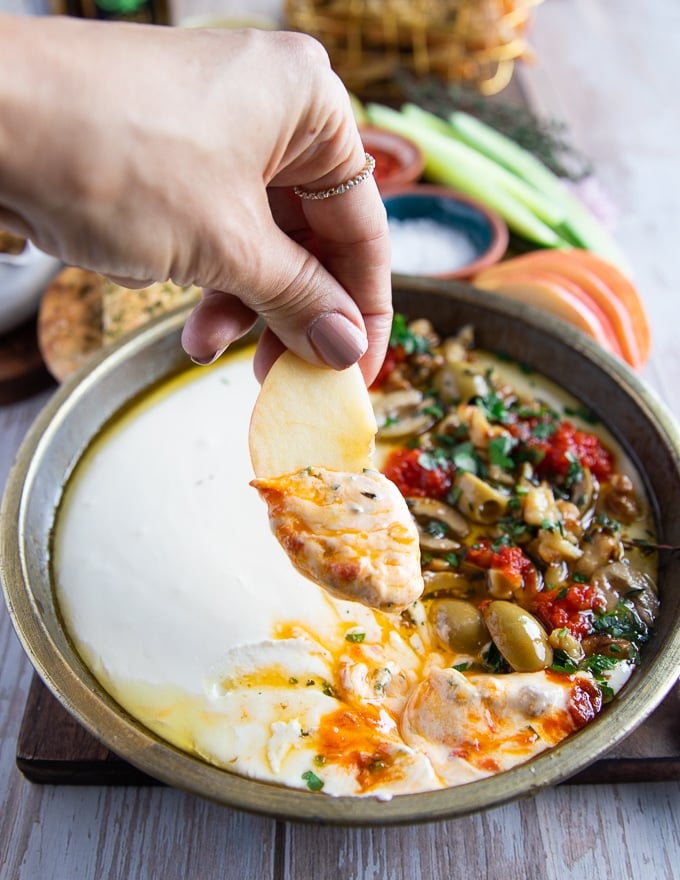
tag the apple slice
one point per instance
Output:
(592, 278)
(626, 292)
(306, 415)
(343, 524)
(311, 416)
(558, 295)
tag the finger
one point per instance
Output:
(269, 348)
(357, 255)
(218, 320)
(353, 244)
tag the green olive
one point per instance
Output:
(459, 625)
(518, 636)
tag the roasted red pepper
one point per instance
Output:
(413, 479)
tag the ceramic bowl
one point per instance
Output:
(440, 233)
(398, 161)
(23, 279)
(85, 403)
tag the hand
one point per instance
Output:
(149, 153)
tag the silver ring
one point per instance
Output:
(364, 174)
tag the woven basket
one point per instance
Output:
(475, 42)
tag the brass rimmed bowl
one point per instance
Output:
(84, 404)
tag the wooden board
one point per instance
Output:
(54, 749)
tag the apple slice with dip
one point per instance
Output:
(343, 524)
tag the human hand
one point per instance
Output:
(148, 153)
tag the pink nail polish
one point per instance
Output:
(338, 342)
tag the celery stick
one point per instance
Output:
(546, 208)
(449, 162)
(580, 226)
(502, 149)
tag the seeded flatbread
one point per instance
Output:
(124, 310)
(70, 321)
(81, 312)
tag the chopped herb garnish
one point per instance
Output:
(461, 667)
(465, 458)
(499, 451)
(606, 522)
(433, 459)
(562, 662)
(574, 471)
(437, 529)
(434, 409)
(622, 623)
(355, 637)
(403, 337)
(494, 408)
(312, 780)
(598, 665)
(493, 659)
(543, 430)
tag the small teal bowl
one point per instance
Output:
(478, 236)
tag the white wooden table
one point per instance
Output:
(609, 69)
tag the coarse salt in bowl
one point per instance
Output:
(440, 233)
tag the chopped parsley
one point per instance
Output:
(312, 780)
(465, 458)
(499, 452)
(494, 408)
(403, 337)
(562, 662)
(493, 659)
(355, 637)
(622, 623)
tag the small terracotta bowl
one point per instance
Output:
(479, 236)
(398, 161)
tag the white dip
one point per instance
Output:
(183, 605)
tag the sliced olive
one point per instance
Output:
(519, 636)
(459, 625)
(401, 413)
(438, 524)
(479, 500)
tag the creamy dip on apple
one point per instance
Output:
(185, 608)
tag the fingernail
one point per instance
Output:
(210, 359)
(338, 342)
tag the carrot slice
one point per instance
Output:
(555, 294)
(593, 285)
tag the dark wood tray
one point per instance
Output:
(54, 749)
(22, 370)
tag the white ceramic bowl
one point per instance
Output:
(23, 279)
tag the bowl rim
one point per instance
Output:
(500, 234)
(79, 692)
